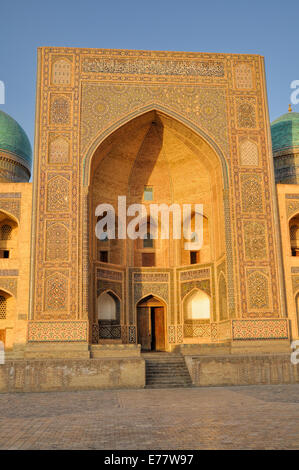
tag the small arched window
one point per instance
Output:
(294, 235)
(3, 307)
(197, 306)
(108, 308)
(6, 232)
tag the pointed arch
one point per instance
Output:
(191, 136)
(197, 305)
(9, 215)
(108, 307)
(7, 291)
(151, 295)
(7, 303)
(137, 113)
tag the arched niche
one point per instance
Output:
(7, 317)
(294, 234)
(197, 306)
(8, 236)
(108, 309)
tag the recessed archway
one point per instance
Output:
(156, 152)
(7, 313)
(8, 236)
(151, 324)
(294, 234)
(157, 158)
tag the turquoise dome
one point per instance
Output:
(285, 131)
(14, 139)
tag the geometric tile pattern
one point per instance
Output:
(260, 329)
(57, 331)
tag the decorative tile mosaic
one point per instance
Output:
(57, 331)
(260, 329)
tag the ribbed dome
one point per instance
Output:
(14, 139)
(285, 132)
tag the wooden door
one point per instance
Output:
(159, 329)
(144, 328)
(2, 336)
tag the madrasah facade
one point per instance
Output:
(155, 127)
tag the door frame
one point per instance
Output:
(159, 303)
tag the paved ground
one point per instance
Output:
(265, 417)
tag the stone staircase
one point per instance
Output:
(166, 370)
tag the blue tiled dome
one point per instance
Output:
(285, 132)
(14, 139)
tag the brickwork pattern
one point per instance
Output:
(247, 418)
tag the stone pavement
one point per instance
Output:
(253, 417)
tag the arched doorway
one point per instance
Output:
(151, 324)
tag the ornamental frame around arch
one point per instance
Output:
(163, 302)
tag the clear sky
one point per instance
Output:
(269, 28)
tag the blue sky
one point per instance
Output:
(269, 28)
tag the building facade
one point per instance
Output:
(155, 127)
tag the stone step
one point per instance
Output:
(168, 386)
(167, 373)
(162, 364)
(156, 370)
(166, 378)
(161, 369)
(166, 370)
